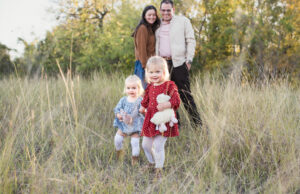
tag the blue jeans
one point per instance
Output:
(140, 72)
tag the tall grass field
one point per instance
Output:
(56, 136)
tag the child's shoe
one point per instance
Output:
(134, 160)
(158, 173)
(120, 155)
(148, 168)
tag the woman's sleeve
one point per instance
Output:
(141, 44)
(145, 100)
(173, 92)
(119, 106)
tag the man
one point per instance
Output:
(176, 43)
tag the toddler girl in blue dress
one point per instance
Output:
(128, 120)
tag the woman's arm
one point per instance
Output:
(141, 39)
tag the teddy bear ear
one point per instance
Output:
(161, 95)
(166, 97)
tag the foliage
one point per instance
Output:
(259, 38)
(84, 46)
(261, 35)
(6, 65)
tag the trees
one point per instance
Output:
(88, 39)
(214, 32)
(272, 34)
(260, 37)
(6, 66)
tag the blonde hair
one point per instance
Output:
(137, 80)
(158, 61)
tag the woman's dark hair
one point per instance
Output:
(154, 26)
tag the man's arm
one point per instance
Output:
(190, 42)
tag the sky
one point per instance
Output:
(27, 19)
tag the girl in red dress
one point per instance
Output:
(157, 75)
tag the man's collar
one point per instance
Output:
(172, 19)
(165, 23)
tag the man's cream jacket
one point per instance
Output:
(182, 40)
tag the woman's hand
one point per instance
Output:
(163, 106)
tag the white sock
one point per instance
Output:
(147, 146)
(135, 146)
(118, 141)
(159, 150)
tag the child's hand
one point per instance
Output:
(127, 119)
(163, 106)
(142, 110)
(119, 116)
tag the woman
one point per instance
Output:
(144, 40)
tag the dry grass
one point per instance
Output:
(56, 136)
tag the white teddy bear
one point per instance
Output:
(162, 117)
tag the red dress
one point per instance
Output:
(149, 102)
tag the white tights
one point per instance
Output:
(135, 144)
(158, 143)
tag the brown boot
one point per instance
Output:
(148, 168)
(134, 160)
(120, 155)
(158, 173)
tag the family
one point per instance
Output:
(164, 50)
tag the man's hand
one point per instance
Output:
(188, 65)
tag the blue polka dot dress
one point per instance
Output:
(132, 109)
